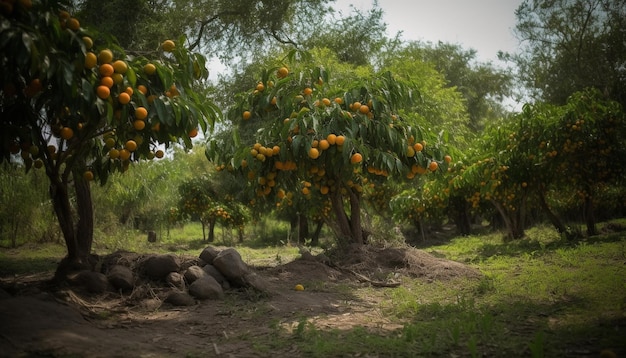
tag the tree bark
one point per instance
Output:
(556, 222)
(342, 219)
(590, 218)
(315, 238)
(355, 217)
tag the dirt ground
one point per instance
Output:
(38, 319)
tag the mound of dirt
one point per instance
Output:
(405, 260)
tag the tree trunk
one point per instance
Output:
(211, 230)
(315, 238)
(355, 217)
(590, 218)
(84, 207)
(460, 215)
(555, 220)
(512, 221)
(340, 214)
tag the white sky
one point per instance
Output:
(483, 25)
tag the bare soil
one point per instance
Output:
(39, 319)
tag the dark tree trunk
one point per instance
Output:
(590, 218)
(212, 230)
(513, 221)
(460, 215)
(554, 219)
(78, 236)
(355, 217)
(315, 238)
(343, 224)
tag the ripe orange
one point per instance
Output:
(88, 175)
(168, 45)
(282, 72)
(447, 159)
(114, 153)
(418, 147)
(106, 81)
(339, 140)
(339, 100)
(324, 144)
(67, 133)
(410, 151)
(314, 153)
(88, 42)
(324, 189)
(120, 67)
(326, 101)
(307, 91)
(91, 60)
(260, 87)
(356, 158)
(331, 138)
(123, 98)
(124, 154)
(139, 124)
(106, 69)
(275, 150)
(433, 166)
(141, 113)
(72, 24)
(364, 109)
(130, 145)
(105, 56)
(149, 69)
(142, 89)
(193, 133)
(247, 115)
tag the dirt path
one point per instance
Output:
(38, 321)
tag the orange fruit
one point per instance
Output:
(339, 100)
(142, 89)
(72, 24)
(149, 69)
(324, 144)
(103, 92)
(114, 153)
(282, 72)
(88, 42)
(130, 145)
(247, 115)
(107, 81)
(331, 138)
(168, 45)
(105, 56)
(339, 140)
(124, 154)
(433, 166)
(447, 159)
(88, 175)
(260, 87)
(193, 133)
(91, 60)
(67, 133)
(106, 69)
(418, 147)
(120, 67)
(364, 109)
(356, 158)
(307, 91)
(141, 113)
(123, 98)
(324, 189)
(139, 124)
(314, 153)
(326, 101)
(159, 154)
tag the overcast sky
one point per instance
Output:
(483, 25)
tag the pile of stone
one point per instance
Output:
(185, 281)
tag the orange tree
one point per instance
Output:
(326, 137)
(548, 153)
(81, 108)
(201, 200)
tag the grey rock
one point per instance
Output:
(121, 277)
(206, 288)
